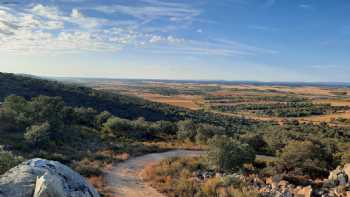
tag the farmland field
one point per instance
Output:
(273, 102)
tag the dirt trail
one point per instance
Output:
(125, 181)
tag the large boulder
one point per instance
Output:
(43, 178)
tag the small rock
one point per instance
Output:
(342, 179)
(305, 191)
(346, 169)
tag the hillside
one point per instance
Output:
(123, 106)
(119, 105)
(71, 124)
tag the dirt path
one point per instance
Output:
(125, 181)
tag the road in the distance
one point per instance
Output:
(125, 181)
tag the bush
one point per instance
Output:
(226, 186)
(256, 141)
(209, 188)
(165, 127)
(101, 118)
(186, 130)
(226, 154)
(303, 158)
(88, 168)
(8, 161)
(207, 131)
(116, 126)
(38, 135)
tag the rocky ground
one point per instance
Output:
(336, 185)
(43, 178)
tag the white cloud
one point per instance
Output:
(45, 28)
(76, 13)
(166, 40)
(305, 6)
(77, 18)
(155, 39)
(39, 28)
(211, 47)
(45, 11)
(154, 9)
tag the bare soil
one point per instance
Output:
(124, 179)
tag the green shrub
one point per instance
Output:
(207, 131)
(8, 161)
(88, 168)
(38, 135)
(303, 158)
(186, 130)
(227, 154)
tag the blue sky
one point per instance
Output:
(265, 40)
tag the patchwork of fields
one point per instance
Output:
(313, 104)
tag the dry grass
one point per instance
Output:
(100, 184)
(334, 102)
(172, 145)
(198, 102)
(177, 177)
(326, 118)
(185, 101)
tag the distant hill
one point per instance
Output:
(119, 105)
(221, 82)
(73, 95)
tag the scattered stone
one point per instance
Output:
(305, 192)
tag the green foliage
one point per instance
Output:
(85, 116)
(256, 141)
(226, 154)
(47, 109)
(138, 129)
(8, 160)
(165, 127)
(186, 130)
(86, 167)
(281, 109)
(253, 98)
(101, 118)
(304, 158)
(38, 135)
(19, 108)
(115, 127)
(122, 106)
(207, 131)
(119, 105)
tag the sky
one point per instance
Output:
(260, 40)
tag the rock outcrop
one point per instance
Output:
(43, 178)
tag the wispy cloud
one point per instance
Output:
(50, 28)
(154, 9)
(306, 6)
(326, 66)
(217, 47)
(39, 28)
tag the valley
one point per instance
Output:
(248, 134)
